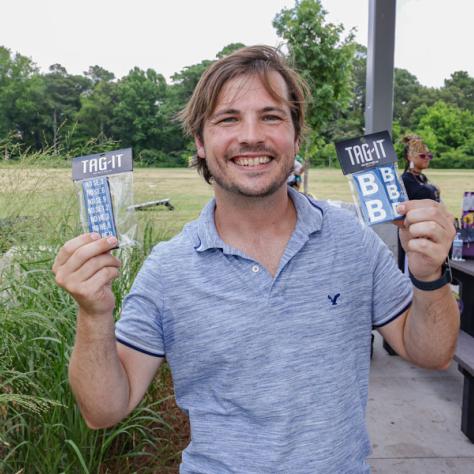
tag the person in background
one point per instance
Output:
(295, 178)
(417, 157)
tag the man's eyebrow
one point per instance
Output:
(269, 108)
(224, 112)
(274, 109)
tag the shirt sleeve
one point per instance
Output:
(140, 324)
(392, 289)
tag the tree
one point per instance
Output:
(137, 117)
(22, 100)
(322, 57)
(409, 95)
(446, 127)
(351, 122)
(98, 74)
(63, 93)
(459, 90)
(230, 48)
(95, 116)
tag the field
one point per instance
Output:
(41, 430)
(50, 194)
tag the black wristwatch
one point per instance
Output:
(445, 278)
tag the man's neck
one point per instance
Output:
(247, 216)
(259, 227)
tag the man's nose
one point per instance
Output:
(251, 131)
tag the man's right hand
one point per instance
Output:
(85, 268)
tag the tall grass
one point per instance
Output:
(41, 429)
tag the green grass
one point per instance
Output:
(41, 430)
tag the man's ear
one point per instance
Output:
(199, 147)
(297, 146)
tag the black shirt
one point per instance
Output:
(418, 187)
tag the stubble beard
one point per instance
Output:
(235, 188)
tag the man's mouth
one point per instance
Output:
(251, 161)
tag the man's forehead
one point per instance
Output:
(274, 89)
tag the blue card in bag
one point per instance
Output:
(380, 192)
(98, 206)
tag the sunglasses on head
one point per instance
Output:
(426, 155)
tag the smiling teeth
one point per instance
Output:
(258, 160)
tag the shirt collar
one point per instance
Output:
(309, 220)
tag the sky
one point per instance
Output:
(433, 37)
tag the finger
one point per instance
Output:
(93, 265)
(406, 206)
(426, 247)
(71, 246)
(96, 283)
(429, 230)
(88, 251)
(430, 213)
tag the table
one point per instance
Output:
(463, 272)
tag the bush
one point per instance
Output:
(454, 158)
(160, 159)
(41, 429)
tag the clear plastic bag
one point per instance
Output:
(377, 193)
(370, 164)
(105, 190)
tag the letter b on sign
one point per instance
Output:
(367, 184)
(375, 210)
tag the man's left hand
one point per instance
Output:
(426, 235)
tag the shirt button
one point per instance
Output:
(255, 268)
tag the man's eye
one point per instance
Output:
(228, 120)
(271, 118)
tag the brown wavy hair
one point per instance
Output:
(408, 141)
(251, 60)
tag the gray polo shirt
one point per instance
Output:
(272, 371)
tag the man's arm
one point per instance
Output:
(426, 333)
(107, 379)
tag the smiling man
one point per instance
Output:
(267, 388)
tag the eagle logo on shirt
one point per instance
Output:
(333, 299)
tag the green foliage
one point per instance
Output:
(322, 57)
(41, 429)
(451, 125)
(453, 158)
(58, 115)
(459, 90)
(137, 113)
(230, 48)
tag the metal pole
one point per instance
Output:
(380, 64)
(379, 86)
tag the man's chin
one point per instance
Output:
(252, 191)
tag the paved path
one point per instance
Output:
(414, 418)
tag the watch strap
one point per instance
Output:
(445, 278)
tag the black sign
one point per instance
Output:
(111, 162)
(362, 153)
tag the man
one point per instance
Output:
(267, 389)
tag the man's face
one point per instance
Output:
(249, 140)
